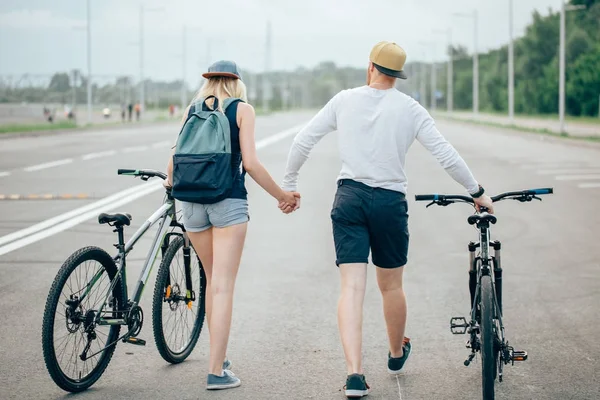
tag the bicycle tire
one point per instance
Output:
(169, 354)
(488, 359)
(53, 365)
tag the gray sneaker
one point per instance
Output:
(226, 381)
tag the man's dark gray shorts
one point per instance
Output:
(369, 219)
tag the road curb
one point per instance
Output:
(547, 136)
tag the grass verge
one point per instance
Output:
(12, 128)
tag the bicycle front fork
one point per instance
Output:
(496, 261)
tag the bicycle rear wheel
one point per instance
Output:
(178, 313)
(69, 328)
(488, 359)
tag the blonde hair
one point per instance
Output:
(222, 87)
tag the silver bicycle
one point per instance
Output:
(89, 300)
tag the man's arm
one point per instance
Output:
(322, 124)
(429, 136)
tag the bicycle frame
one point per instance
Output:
(164, 216)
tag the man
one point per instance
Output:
(376, 125)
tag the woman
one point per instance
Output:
(218, 231)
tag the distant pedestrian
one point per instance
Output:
(130, 109)
(171, 110)
(123, 112)
(376, 125)
(138, 110)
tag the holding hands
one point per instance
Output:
(289, 202)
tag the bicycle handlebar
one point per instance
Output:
(523, 195)
(145, 174)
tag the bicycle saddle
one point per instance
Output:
(483, 217)
(117, 219)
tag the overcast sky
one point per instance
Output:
(44, 36)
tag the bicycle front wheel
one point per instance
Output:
(178, 303)
(70, 333)
(488, 358)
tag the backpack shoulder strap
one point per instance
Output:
(229, 101)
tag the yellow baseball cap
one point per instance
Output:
(389, 59)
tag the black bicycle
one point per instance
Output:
(485, 327)
(88, 302)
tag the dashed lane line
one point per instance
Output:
(577, 177)
(568, 171)
(589, 185)
(100, 154)
(48, 196)
(158, 145)
(135, 149)
(4, 173)
(48, 165)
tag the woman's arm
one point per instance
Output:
(252, 165)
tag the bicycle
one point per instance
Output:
(88, 302)
(485, 328)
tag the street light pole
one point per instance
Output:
(142, 94)
(450, 71)
(266, 79)
(433, 85)
(450, 77)
(511, 65)
(89, 64)
(475, 17)
(475, 66)
(183, 70)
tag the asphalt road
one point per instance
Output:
(284, 340)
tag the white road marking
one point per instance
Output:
(91, 156)
(399, 388)
(48, 165)
(568, 171)
(4, 174)
(164, 143)
(564, 164)
(135, 149)
(69, 223)
(52, 226)
(577, 177)
(589, 185)
(63, 217)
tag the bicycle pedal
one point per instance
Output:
(136, 341)
(519, 355)
(458, 325)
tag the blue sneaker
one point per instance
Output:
(226, 381)
(356, 386)
(395, 364)
(227, 364)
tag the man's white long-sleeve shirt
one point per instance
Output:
(376, 128)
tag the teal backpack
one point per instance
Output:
(202, 170)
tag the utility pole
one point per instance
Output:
(423, 90)
(266, 78)
(142, 94)
(475, 18)
(475, 66)
(183, 70)
(433, 86)
(561, 74)
(450, 70)
(511, 65)
(89, 63)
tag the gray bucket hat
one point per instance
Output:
(223, 68)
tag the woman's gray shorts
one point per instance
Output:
(200, 217)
